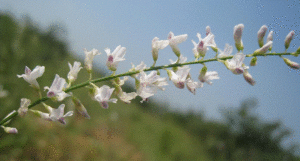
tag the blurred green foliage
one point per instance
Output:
(147, 131)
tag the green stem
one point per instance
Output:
(43, 99)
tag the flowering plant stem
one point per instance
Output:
(43, 99)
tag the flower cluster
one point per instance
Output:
(147, 80)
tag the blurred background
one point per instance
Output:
(229, 120)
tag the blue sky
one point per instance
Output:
(133, 24)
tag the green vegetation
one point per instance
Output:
(124, 131)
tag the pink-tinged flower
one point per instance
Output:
(72, 75)
(89, 57)
(157, 45)
(227, 51)
(10, 130)
(288, 39)
(248, 77)
(54, 114)
(56, 89)
(175, 40)
(103, 95)
(261, 34)
(31, 76)
(147, 85)
(201, 48)
(80, 107)
(192, 85)
(270, 38)
(291, 64)
(179, 77)
(115, 57)
(24, 107)
(206, 76)
(237, 35)
(58, 114)
(236, 63)
(263, 49)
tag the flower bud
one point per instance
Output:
(12, 113)
(270, 38)
(10, 130)
(296, 54)
(248, 78)
(288, 39)
(202, 74)
(261, 34)
(253, 61)
(263, 49)
(80, 107)
(291, 64)
(208, 30)
(237, 35)
(24, 107)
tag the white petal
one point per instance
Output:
(70, 113)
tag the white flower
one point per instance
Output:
(149, 84)
(3, 93)
(179, 77)
(31, 76)
(24, 106)
(58, 114)
(89, 56)
(175, 40)
(10, 130)
(127, 97)
(261, 34)
(72, 75)
(214, 45)
(157, 45)
(288, 39)
(208, 76)
(192, 85)
(103, 95)
(201, 48)
(236, 63)
(263, 49)
(115, 57)
(139, 67)
(56, 89)
(237, 35)
(227, 51)
(54, 114)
